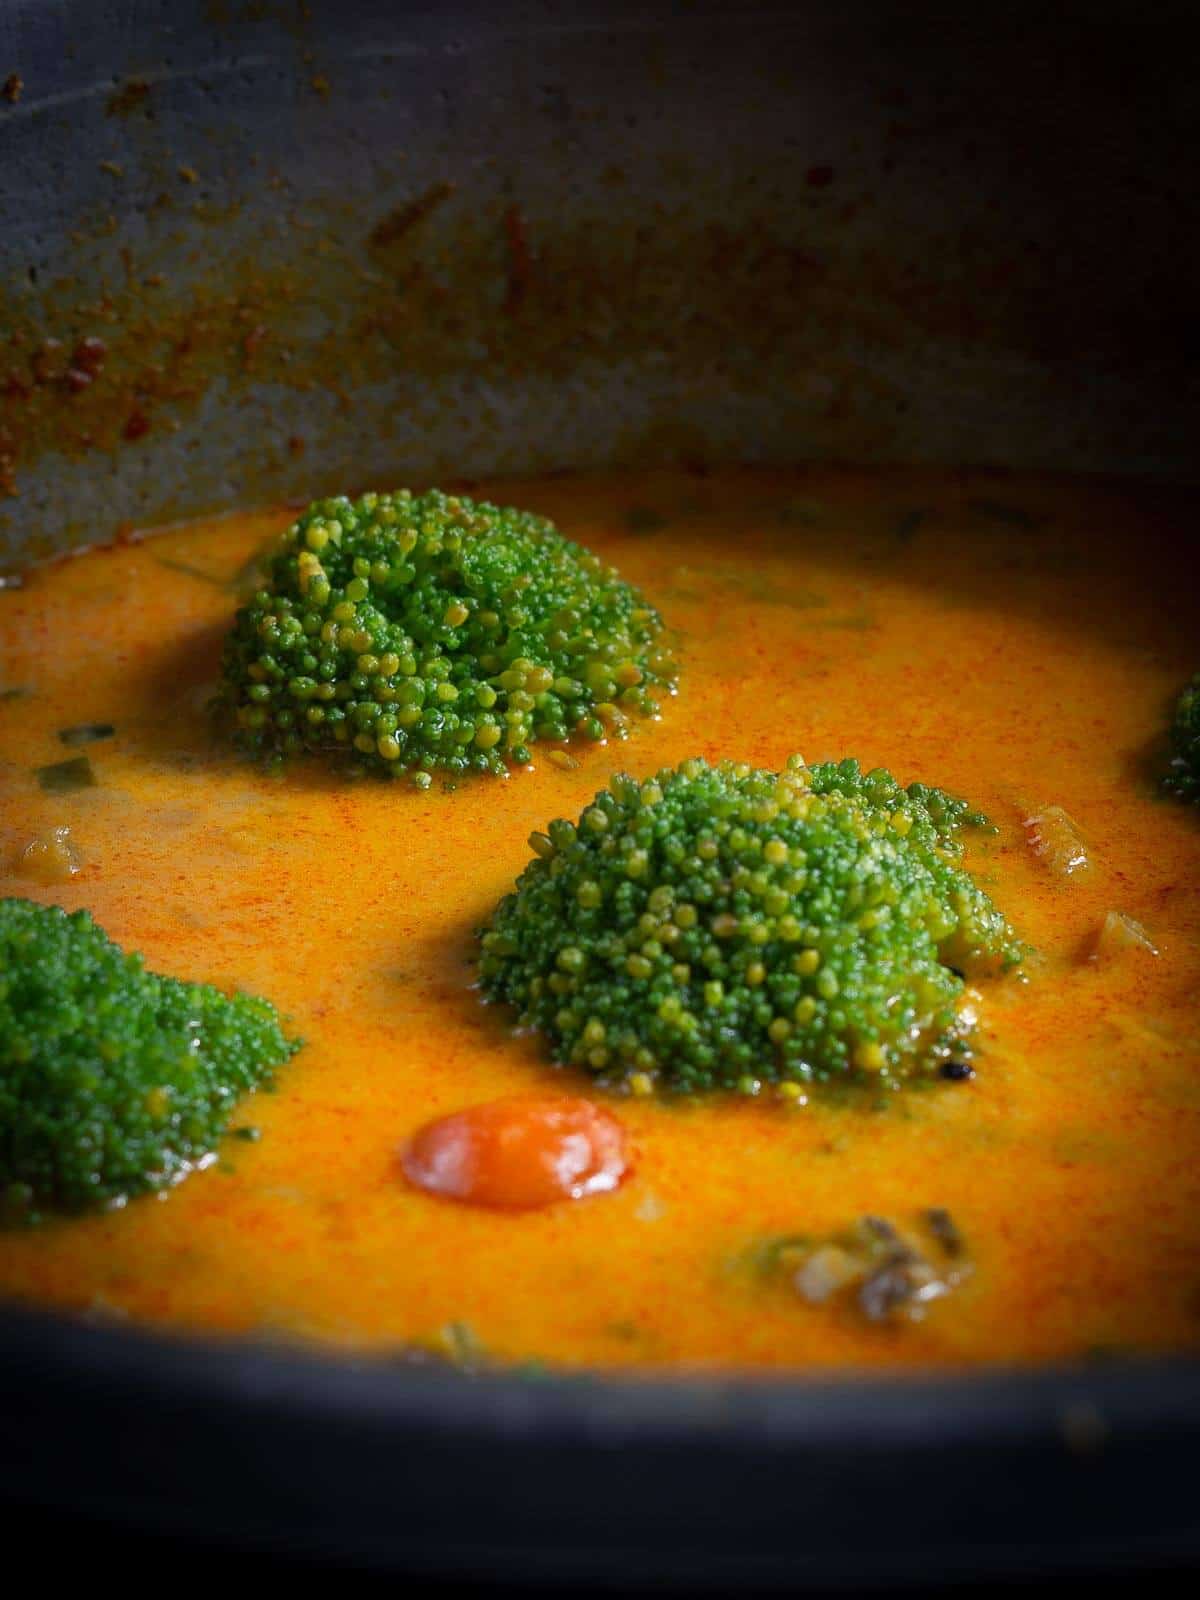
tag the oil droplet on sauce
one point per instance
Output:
(519, 1153)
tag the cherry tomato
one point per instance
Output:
(519, 1153)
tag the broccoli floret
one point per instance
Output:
(722, 927)
(113, 1080)
(1183, 776)
(432, 631)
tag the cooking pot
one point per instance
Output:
(261, 251)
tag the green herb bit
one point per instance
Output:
(910, 523)
(241, 578)
(462, 1345)
(534, 1371)
(247, 574)
(86, 733)
(768, 1255)
(644, 519)
(66, 777)
(188, 571)
(807, 513)
(17, 692)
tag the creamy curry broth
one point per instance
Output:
(1015, 640)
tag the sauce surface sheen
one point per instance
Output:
(1016, 640)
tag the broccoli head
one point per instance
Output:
(113, 1081)
(718, 926)
(1183, 775)
(423, 632)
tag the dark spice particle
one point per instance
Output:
(64, 777)
(15, 692)
(86, 733)
(127, 98)
(880, 1228)
(882, 1271)
(944, 1229)
(908, 525)
(12, 87)
(1000, 511)
(957, 1071)
(885, 1291)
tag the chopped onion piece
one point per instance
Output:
(50, 857)
(825, 1272)
(1119, 933)
(1054, 838)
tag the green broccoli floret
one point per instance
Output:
(722, 927)
(432, 631)
(1183, 776)
(113, 1080)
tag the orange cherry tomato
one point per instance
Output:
(519, 1153)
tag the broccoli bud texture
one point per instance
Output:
(718, 926)
(113, 1081)
(416, 633)
(1183, 775)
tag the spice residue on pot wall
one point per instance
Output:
(269, 260)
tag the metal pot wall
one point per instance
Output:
(256, 251)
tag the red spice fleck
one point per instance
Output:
(404, 218)
(11, 88)
(137, 424)
(89, 355)
(251, 342)
(819, 177)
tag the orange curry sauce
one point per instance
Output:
(1015, 640)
